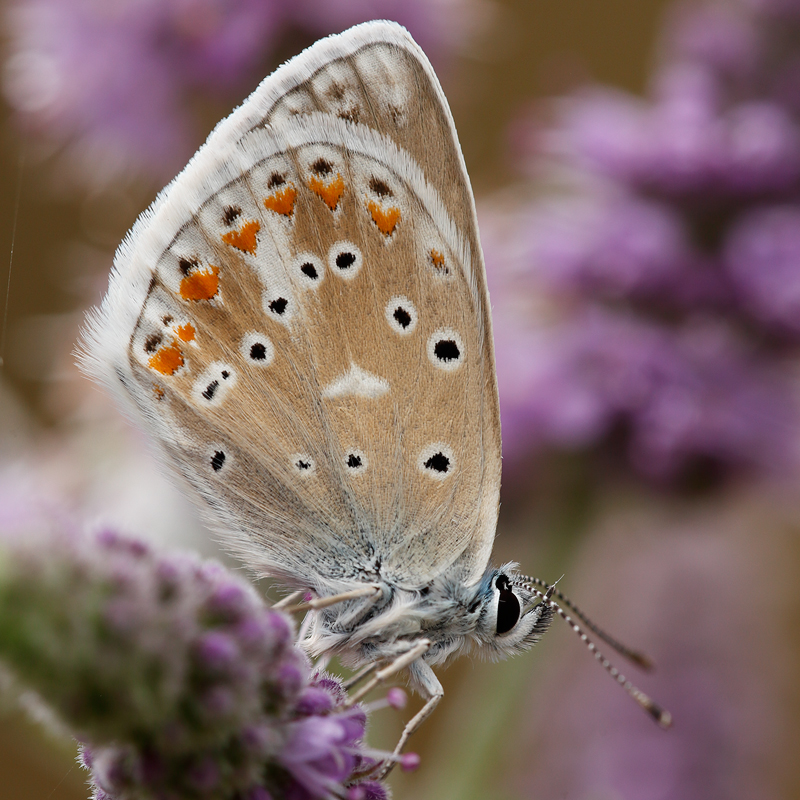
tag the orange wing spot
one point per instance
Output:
(245, 238)
(168, 359)
(185, 332)
(199, 285)
(437, 259)
(385, 219)
(329, 192)
(282, 201)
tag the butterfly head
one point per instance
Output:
(510, 616)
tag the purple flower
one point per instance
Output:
(118, 82)
(171, 671)
(763, 256)
(663, 297)
(112, 79)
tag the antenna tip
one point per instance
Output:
(641, 661)
(660, 715)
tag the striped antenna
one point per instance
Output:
(640, 659)
(660, 715)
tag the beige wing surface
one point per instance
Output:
(306, 326)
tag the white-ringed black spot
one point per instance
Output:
(303, 464)
(446, 349)
(436, 461)
(217, 460)
(401, 315)
(355, 461)
(345, 260)
(278, 306)
(275, 180)
(310, 269)
(210, 390)
(257, 349)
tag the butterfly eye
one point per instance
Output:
(446, 350)
(401, 315)
(508, 607)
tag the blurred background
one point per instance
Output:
(636, 165)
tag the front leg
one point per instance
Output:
(430, 688)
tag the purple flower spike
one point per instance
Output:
(174, 675)
(654, 310)
(117, 83)
(763, 256)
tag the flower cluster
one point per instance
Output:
(118, 83)
(668, 271)
(175, 676)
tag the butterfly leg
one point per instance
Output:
(360, 675)
(431, 689)
(401, 662)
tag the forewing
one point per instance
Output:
(302, 320)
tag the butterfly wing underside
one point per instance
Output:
(302, 320)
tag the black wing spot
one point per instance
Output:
(345, 260)
(446, 350)
(354, 461)
(380, 187)
(276, 179)
(322, 167)
(151, 343)
(210, 390)
(309, 270)
(438, 462)
(217, 460)
(279, 306)
(302, 465)
(258, 351)
(186, 265)
(402, 317)
(230, 214)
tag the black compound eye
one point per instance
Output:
(508, 607)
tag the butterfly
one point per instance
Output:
(301, 322)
